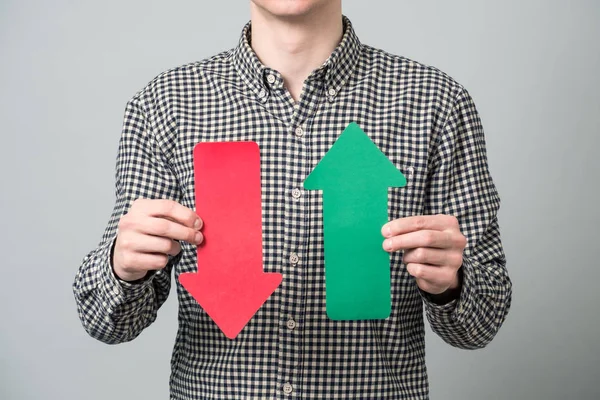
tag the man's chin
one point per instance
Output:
(289, 9)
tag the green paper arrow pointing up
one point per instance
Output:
(355, 176)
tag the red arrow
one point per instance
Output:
(230, 284)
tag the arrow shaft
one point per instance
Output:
(357, 269)
(228, 199)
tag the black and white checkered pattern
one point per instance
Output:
(421, 119)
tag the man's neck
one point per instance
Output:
(296, 46)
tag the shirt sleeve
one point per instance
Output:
(111, 310)
(460, 185)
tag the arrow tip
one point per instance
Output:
(231, 302)
(354, 159)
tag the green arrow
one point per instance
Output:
(354, 176)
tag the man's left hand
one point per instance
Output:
(433, 249)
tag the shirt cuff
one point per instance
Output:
(116, 290)
(457, 309)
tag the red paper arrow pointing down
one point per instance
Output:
(230, 284)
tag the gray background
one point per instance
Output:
(67, 69)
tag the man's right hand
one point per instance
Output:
(148, 234)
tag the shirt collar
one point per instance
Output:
(335, 71)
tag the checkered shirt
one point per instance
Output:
(423, 121)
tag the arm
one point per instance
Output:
(110, 309)
(461, 186)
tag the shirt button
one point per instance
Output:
(291, 324)
(287, 388)
(262, 94)
(116, 291)
(294, 258)
(296, 193)
(271, 78)
(299, 131)
(331, 92)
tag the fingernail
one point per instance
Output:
(388, 231)
(197, 224)
(387, 244)
(198, 238)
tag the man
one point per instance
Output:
(297, 78)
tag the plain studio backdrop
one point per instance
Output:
(67, 69)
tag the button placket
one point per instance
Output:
(296, 205)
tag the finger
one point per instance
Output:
(168, 229)
(431, 278)
(401, 226)
(197, 224)
(427, 255)
(151, 244)
(429, 287)
(413, 240)
(430, 273)
(171, 210)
